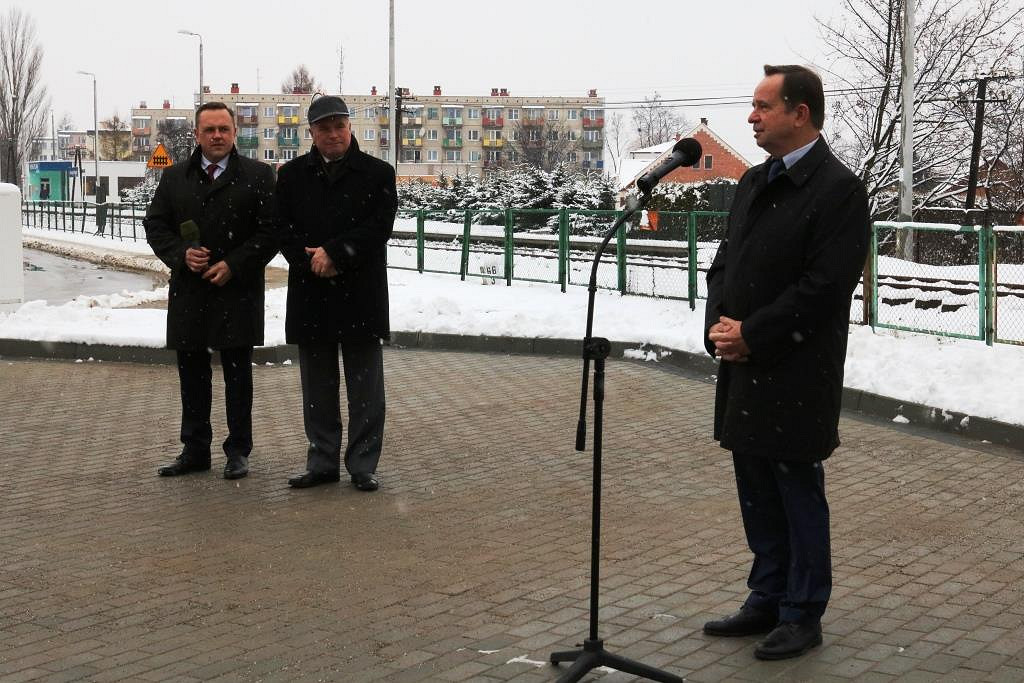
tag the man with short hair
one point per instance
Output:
(336, 210)
(779, 293)
(211, 223)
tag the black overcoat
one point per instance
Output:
(792, 255)
(351, 216)
(235, 216)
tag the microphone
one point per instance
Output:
(685, 153)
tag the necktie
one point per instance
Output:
(211, 171)
(777, 166)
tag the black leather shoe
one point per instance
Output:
(183, 464)
(747, 622)
(365, 481)
(308, 479)
(236, 467)
(789, 639)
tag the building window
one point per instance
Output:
(592, 135)
(432, 134)
(593, 113)
(268, 111)
(412, 155)
(592, 156)
(495, 155)
(290, 133)
(572, 114)
(571, 136)
(707, 162)
(250, 153)
(472, 113)
(571, 156)
(309, 134)
(496, 134)
(452, 155)
(287, 153)
(472, 135)
(534, 135)
(370, 112)
(410, 134)
(474, 155)
(369, 134)
(431, 155)
(269, 133)
(515, 136)
(513, 114)
(385, 155)
(288, 110)
(431, 113)
(268, 154)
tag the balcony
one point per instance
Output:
(414, 142)
(383, 142)
(412, 121)
(247, 142)
(591, 144)
(247, 119)
(140, 132)
(597, 164)
(532, 121)
(493, 122)
(451, 120)
(589, 122)
(139, 146)
(451, 143)
(286, 120)
(282, 141)
(383, 120)
(494, 144)
(491, 163)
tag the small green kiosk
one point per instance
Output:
(49, 180)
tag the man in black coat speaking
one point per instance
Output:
(779, 293)
(211, 223)
(336, 209)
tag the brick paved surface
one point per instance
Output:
(470, 563)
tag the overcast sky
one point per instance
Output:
(627, 50)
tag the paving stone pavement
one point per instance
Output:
(471, 562)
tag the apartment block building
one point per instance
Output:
(450, 134)
(146, 124)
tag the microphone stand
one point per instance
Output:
(593, 655)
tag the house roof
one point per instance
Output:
(632, 168)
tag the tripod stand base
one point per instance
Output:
(593, 655)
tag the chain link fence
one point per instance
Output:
(1008, 284)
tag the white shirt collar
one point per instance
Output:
(797, 154)
(222, 164)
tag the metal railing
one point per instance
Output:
(953, 281)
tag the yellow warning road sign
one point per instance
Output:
(160, 158)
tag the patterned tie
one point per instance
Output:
(211, 171)
(777, 166)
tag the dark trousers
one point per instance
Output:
(785, 516)
(363, 361)
(196, 375)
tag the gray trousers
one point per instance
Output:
(363, 363)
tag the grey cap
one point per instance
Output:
(326, 105)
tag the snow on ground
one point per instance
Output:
(951, 374)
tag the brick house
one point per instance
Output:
(719, 160)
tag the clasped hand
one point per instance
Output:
(727, 336)
(198, 261)
(320, 262)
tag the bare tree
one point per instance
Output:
(300, 81)
(23, 99)
(616, 139)
(655, 122)
(956, 41)
(542, 143)
(177, 136)
(116, 143)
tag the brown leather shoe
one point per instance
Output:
(747, 622)
(789, 639)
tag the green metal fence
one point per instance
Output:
(120, 221)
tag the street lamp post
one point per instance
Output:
(193, 33)
(95, 137)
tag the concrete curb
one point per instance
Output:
(698, 365)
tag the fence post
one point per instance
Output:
(563, 247)
(420, 246)
(986, 279)
(509, 247)
(464, 264)
(620, 254)
(691, 259)
(871, 297)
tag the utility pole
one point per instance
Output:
(907, 127)
(392, 92)
(341, 69)
(979, 122)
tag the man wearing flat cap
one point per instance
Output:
(336, 209)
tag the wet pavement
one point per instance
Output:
(471, 562)
(58, 279)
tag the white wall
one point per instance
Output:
(12, 276)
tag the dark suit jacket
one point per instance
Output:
(235, 218)
(792, 255)
(351, 216)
